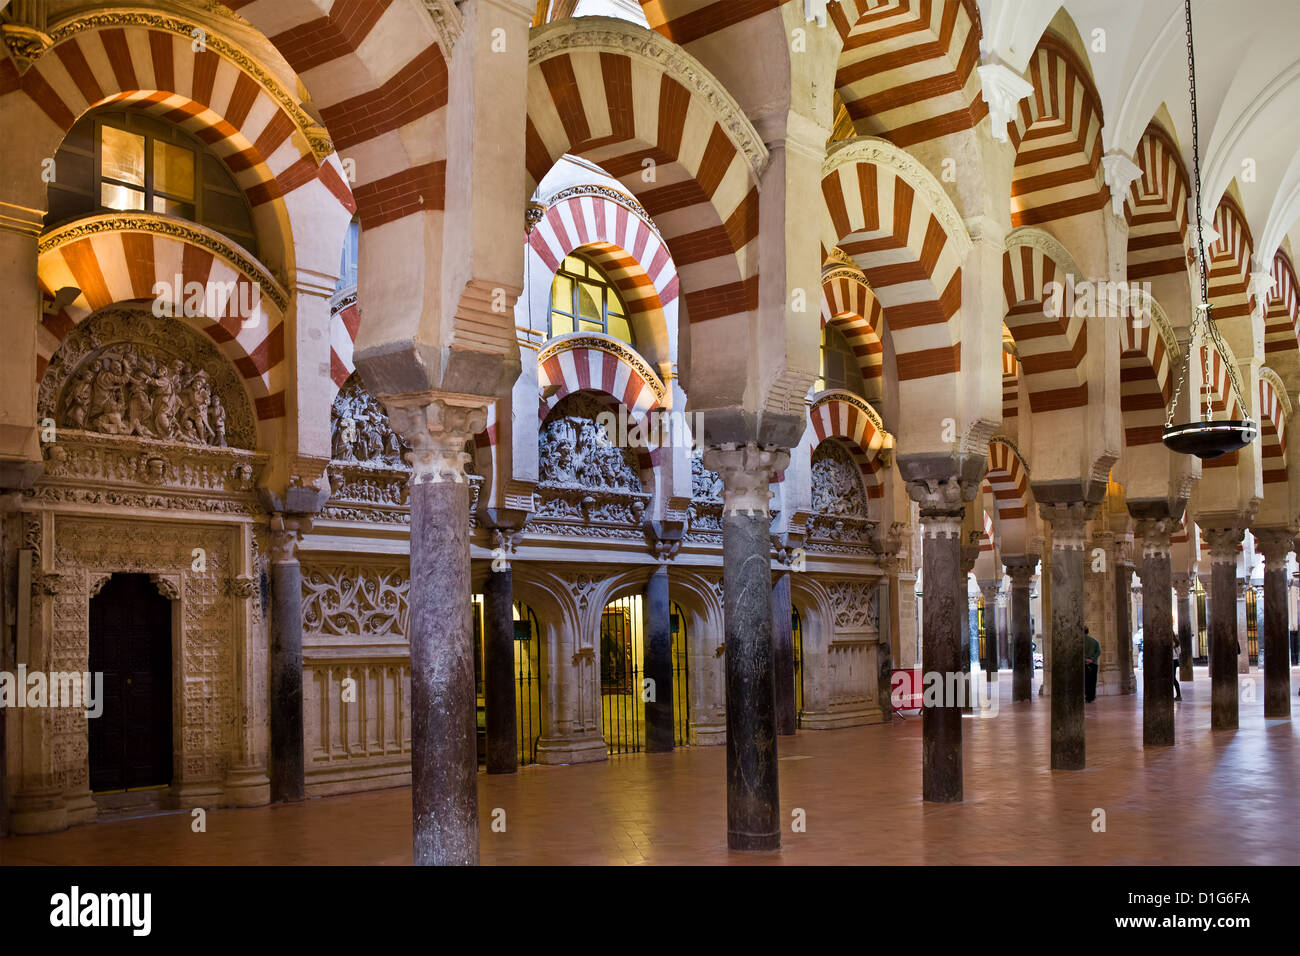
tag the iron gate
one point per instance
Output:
(796, 628)
(621, 707)
(528, 684)
(982, 639)
(681, 678)
(1202, 655)
(1254, 609)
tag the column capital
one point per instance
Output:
(1020, 568)
(1002, 89)
(286, 536)
(437, 426)
(1275, 544)
(746, 472)
(1183, 584)
(1154, 533)
(943, 497)
(1224, 542)
(1069, 521)
(990, 591)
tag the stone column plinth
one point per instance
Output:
(1184, 586)
(1157, 633)
(1224, 542)
(288, 782)
(1068, 521)
(753, 801)
(944, 629)
(499, 669)
(658, 655)
(783, 654)
(1276, 544)
(444, 747)
(1021, 570)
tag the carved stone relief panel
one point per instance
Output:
(854, 604)
(574, 451)
(355, 600)
(360, 430)
(837, 482)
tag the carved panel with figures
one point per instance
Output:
(360, 431)
(575, 452)
(837, 482)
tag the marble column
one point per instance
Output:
(989, 591)
(1276, 544)
(657, 642)
(753, 799)
(444, 746)
(1021, 570)
(1224, 542)
(287, 761)
(499, 670)
(1243, 655)
(1124, 618)
(1184, 585)
(783, 654)
(970, 552)
(944, 626)
(1157, 633)
(1068, 521)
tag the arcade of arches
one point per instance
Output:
(398, 389)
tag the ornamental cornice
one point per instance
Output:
(606, 34)
(848, 398)
(880, 152)
(590, 340)
(233, 255)
(315, 134)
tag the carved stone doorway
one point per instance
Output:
(131, 645)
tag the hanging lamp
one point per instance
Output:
(1204, 436)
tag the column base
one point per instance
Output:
(37, 811)
(709, 734)
(857, 716)
(204, 796)
(248, 787)
(81, 807)
(555, 751)
(753, 842)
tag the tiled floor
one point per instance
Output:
(1228, 798)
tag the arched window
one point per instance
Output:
(584, 300)
(121, 159)
(839, 364)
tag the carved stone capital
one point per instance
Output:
(1120, 171)
(1069, 520)
(942, 497)
(437, 430)
(286, 536)
(1183, 585)
(1275, 544)
(1224, 542)
(1003, 89)
(1154, 533)
(1020, 568)
(746, 472)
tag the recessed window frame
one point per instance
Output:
(577, 269)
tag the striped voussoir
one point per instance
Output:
(849, 305)
(843, 416)
(685, 21)
(1051, 347)
(638, 122)
(907, 70)
(1229, 266)
(1008, 480)
(1282, 316)
(1010, 385)
(1057, 136)
(595, 365)
(1145, 382)
(158, 71)
(1156, 209)
(377, 76)
(895, 237)
(620, 242)
(986, 536)
(123, 265)
(1272, 428)
(344, 323)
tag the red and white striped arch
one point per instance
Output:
(908, 240)
(1057, 136)
(1222, 400)
(849, 305)
(1273, 408)
(986, 538)
(1010, 385)
(1145, 380)
(1156, 209)
(638, 116)
(582, 361)
(345, 320)
(1009, 481)
(140, 61)
(622, 243)
(1051, 348)
(1229, 266)
(843, 416)
(1282, 315)
(122, 265)
(907, 70)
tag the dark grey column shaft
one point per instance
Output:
(658, 649)
(753, 806)
(991, 639)
(1183, 585)
(783, 654)
(1276, 544)
(945, 616)
(287, 761)
(1021, 571)
(1124, 626)
(499, 672)
(1067, 634)
(444, 751)
(1157, 635)
(1223, 626)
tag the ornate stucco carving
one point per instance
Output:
(705, 485)
(360, 430)
(837, 482)
(351, 600)
(448, 22)
(605, 34)
(854, 604)
(573, 451)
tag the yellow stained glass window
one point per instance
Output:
(121, 157)
(173, 170)
(584, 300)
(121, 197)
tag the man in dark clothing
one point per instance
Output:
(1092, 658)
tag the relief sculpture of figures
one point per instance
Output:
(360, 430)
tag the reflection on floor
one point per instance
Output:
(1228, 798)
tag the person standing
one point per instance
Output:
(1178, 691)
(1091, 660)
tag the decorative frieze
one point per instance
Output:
(355, 600)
